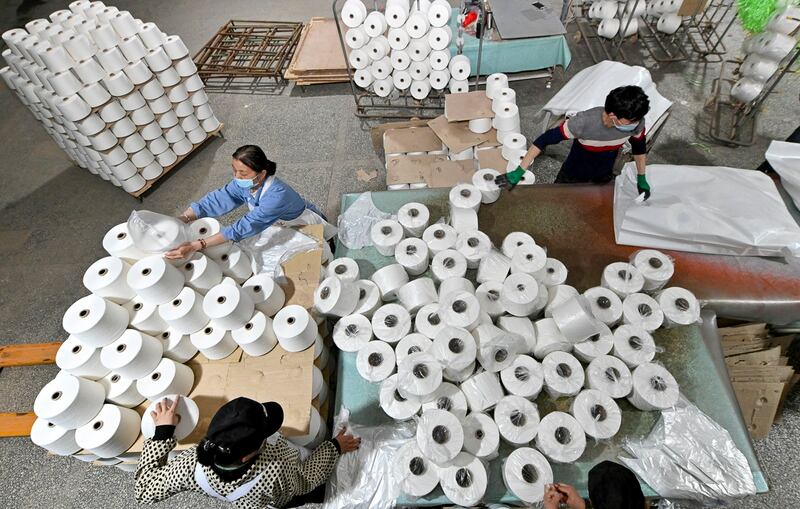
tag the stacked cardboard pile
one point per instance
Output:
(761, 371)
(318, 58)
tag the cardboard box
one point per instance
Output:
(759, 403)
(457, 136)
(492, 158)
(410, 169)
(467, 106)
(451, 173)
(376, 133)
(410, 139)
(692, 7)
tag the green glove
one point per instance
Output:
(642, 186)
(510, 179)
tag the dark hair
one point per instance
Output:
(254, 158)
(612, 486)
(629, 103)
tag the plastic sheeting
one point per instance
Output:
(688, 456)
(784, 157)
(275, 246)
(156, 233)
(366, 478)
(589, 89)
(355, 223)
(705, 209)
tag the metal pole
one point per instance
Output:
(759, 100)
(481, 20)
(344, 52)
(625, 31)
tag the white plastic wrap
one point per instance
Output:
(413, 255)
(483, 391)
(428, 321)
(474, 246)
(488, 295)
(554, 273)
(494, 267)
(622, 278)
(595, 346)
(549, 339)
(524, 377)
(416, 294)
(563, 375)
(561, 438)
(519, 294)
(680, 306)
(440, 237)
(633, 345)
(416, 474)
(391, 323)
(448, 263)
(688, 456)
(606, 305)
(352, 332)
(526, 473)
(575, 320)
(355, 223)
(656, 268)
(156, 233)
(521, 326)
(396, 405)
(447, 397)
(784, 157)
(515, 240)
(589, 88)
(654, 388)
(517, 419)
(413, 343)
(609, 375)
(419, 375)
(440, 435)
(597, 413)
(744, 215)
(375, 361)
(455, 284)
(275, 246)
(497, 348)
(454, 348)
(460, 309)
(465, 480)
(641, 309)
(481, 436)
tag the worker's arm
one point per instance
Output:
(186, 249)
(318, 467)
(218, 203)
(639, 150)
(549, 137)
(156, 478)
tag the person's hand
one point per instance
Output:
(185, 250)
(510, 179)
(347, 443)
(642, 186)
(570, 496)
(552, 497)
(184, 219)
(164, 414)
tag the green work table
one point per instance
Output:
(692, 353)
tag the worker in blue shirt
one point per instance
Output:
(272, 202)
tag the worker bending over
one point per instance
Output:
(611, 486)
(599, 133)
(242, 459)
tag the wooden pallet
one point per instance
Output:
(318, 58)
(18, 424)
(149, 184)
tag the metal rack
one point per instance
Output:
(704, 33)
(399, 104)
(734, 123)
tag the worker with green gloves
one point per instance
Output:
(599, 133)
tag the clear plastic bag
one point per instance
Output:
(366, 478)
(157, 233)
(688, 456)
(355, 223)
(275, 246)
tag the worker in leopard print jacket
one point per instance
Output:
(243, 459)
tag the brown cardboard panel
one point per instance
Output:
(778, 373)
(787, 388)
(456, 135)
(692, 7)
(302, 271)
(467, 106)
(410, 139)
(782, 341)
(451, 173)
(735, 347)
(492, 141)
(492, 158)
(376, 133)
(750, 329)
(759, 403)
(761, 358)
(410, 169)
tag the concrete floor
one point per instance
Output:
(55, 214)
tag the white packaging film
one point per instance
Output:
(455, 284)
(417, 475)
(187, 410)
(414, 218)
(454, 347)
(524, 377)
(526, 473)
(680, 306)
(375, 361)
(352, 332)
(391, 323)
(133, 355)
(633, 345)
(395, 405)
(609, 375)
(597, 413)
(554, 273)
(494, 267)
(549, 339)
(642, 310)
(389, 279)
(558, 295)
(488, 295)
(522, 327)
(465, 196)
(257, 336)
(464, 480)
(528, 259)
(447, 264)
(447, 397)
(474, 246)
(563, 375)
(622, 278)
(440, 237)
(656, 268)
(416, 294)
(168, 377)
(343, 268)
(519, 294)
(482, 391)
(419, 375)
(413, 343)
(497, 348)
(517, 419)
(654, 388)
(575, 320)
(428, 321)
(597, 345)
(412, 254)
(369, 297)
(606, 305)
(460, 309)
(561, 438)
(440, 435)
(481, 436)
(464, 219)
(484, 180)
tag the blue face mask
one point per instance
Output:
(245, 183)
(627, 128)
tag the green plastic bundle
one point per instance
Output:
(755, 14)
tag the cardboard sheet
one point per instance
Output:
(467, 106)
(492, 158)
(451, 173)
(410, 139)
(759, 403)
(410, 169)
(456, 135)
(762, 358)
